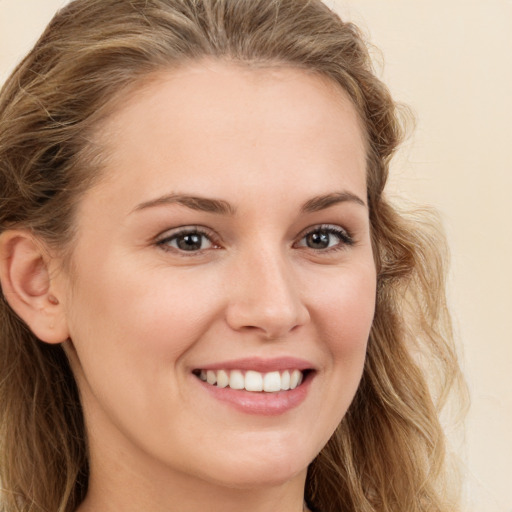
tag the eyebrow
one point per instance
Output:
(222, 207)
(322, 202)
(202, 204)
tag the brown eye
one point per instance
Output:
(326, 237)
(318, 240)
(192, 242)
(188, 241)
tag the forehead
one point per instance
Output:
(205, 119)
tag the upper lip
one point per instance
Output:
(260, 364)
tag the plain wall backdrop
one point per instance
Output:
(451, 61)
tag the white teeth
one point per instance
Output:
(285, 380)
(236, 380)
(295, 379)
(253, 381)
(270, 382)
(211, 377)
(222, 379)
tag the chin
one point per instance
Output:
(261, 476)
(263, 467)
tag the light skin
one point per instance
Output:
(231, 223)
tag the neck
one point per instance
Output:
(174, 497)
(120, 483)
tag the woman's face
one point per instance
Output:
(229, 241)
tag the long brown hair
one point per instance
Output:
(388, 454)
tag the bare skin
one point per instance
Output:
(231, 228)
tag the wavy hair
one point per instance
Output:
(388, 453)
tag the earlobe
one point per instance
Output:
(27, 287)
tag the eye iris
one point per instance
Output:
(318, 240)
(190, 242)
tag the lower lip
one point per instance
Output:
(260, 403)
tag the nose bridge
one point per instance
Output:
(267, 298)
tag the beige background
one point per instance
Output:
(451, 61)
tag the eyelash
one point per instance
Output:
(164, 242)
(344, 237)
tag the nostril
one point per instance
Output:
(272, 323)
(265, 299)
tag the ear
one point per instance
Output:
(26, 285)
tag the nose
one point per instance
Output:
(265, 297)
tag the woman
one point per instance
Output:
(208, 302)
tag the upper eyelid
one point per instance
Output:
(172, 232)
(319, 227)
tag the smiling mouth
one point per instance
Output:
(250, 380)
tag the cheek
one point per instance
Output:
(342, 316)
(345, 310)
(132, 331)
(349, 300)
(153, 315)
